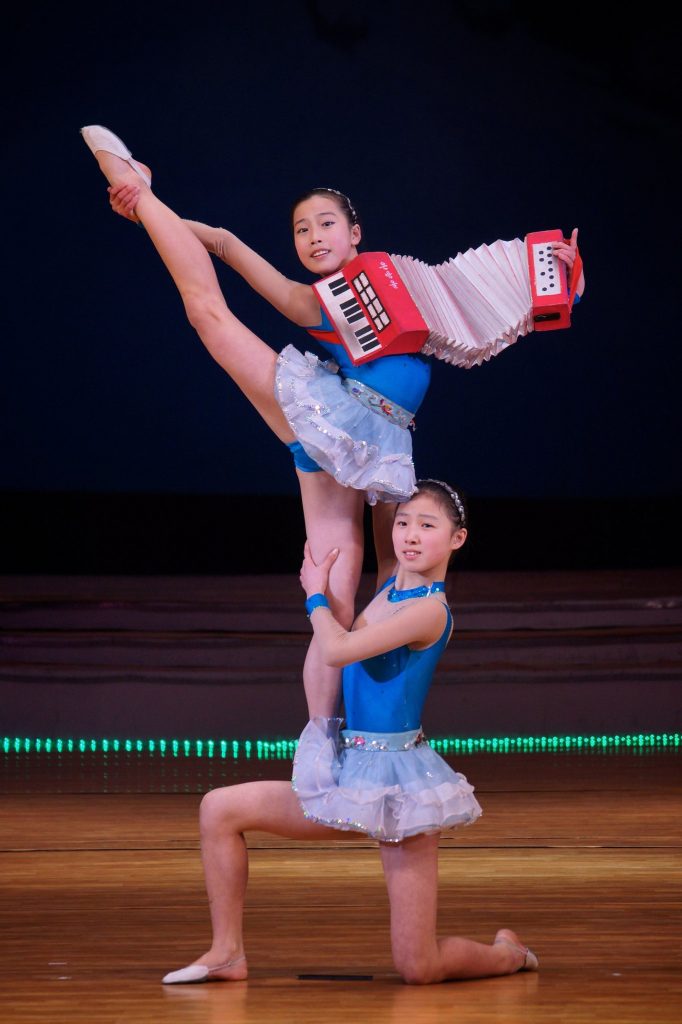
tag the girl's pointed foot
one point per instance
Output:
(528, 959)
(97, 138)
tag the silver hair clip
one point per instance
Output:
(456, 500)
(335, 192)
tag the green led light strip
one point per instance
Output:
(285, 749)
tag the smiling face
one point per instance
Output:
(424, 536)
(325, 241)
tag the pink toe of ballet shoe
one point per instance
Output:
(530, 962)
(97, 137)
(196, 972)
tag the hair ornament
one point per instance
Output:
(344, 199)
(454, 497)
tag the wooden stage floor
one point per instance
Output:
(579, 850)
(102, 894)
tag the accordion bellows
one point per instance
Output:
(463, 311)
(475, 305)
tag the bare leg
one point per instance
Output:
(226, 814)
(333, 514)
(333, 518)
(411, 872)
(383, 514)
(247, 359)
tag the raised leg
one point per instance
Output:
(411, 872)
(333, 514)
(243, 355)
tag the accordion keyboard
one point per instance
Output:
(357, 332)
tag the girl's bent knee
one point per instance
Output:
(205, 314)
(212, 810)
(415, 971)
(417, 976)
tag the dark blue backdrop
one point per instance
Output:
(450, 124)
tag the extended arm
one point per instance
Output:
(295, 301)
(418, 625)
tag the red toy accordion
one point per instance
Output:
(463, 311)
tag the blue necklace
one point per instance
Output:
(403, 595)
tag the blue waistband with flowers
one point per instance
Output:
(379, 403)
(356, 740)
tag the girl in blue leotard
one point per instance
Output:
(378, 776)
(326, 406)
(354, 428)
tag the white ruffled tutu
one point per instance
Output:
(389, 785)
(359, 447)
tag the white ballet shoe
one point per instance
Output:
(530, 961)
(96, 137)
(196, 972)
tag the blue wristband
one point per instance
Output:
(315, 601)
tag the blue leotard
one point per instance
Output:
(402, 379)
(397, 385)
(380, 775)
(386, 693)
(327, 413)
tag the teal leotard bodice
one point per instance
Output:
(386, 694)
(403, 379)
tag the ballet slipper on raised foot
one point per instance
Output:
(506, 937)
(96, 137)
(200, 972)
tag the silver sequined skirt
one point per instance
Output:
(389, 786)
(357, 445)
